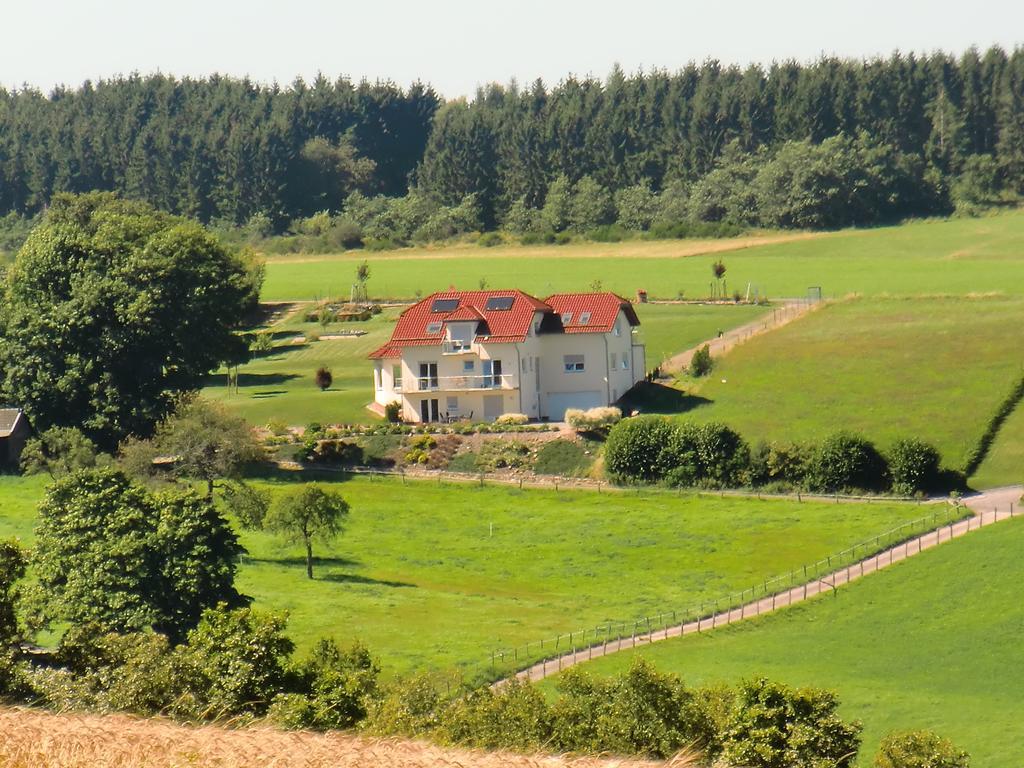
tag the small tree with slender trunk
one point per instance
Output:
(306, 514)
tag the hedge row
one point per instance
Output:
(652, 449)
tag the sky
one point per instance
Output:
(456, 45)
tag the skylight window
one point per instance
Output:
(433, 328)
(499, 303)
(584, 318)
(566, 318)
(444, 305)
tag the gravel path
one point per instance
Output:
(988, 508)
(790, 310)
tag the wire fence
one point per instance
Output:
(504, 662)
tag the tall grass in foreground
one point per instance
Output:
(37, 739)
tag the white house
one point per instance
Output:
(479, 354)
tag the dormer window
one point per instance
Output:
(584, 318)
(433, 328)
(566, 318)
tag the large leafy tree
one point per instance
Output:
(202, 439)
(110, 310)
(109, 552)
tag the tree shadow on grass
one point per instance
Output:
(264, 379)
(652, 397)
(351, 578)
(318, 562)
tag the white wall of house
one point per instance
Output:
(540, 377)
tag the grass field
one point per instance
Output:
(436, 577)
(279, 385)
(933, 368)
(930, 643)
(958, 256)
(1004, 464)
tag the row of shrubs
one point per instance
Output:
(239, 664)
(653, 449)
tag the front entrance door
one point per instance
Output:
(494, 406)
(430, 410)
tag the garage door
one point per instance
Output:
(558, 402)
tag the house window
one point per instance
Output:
(615, 361)
(433, 328)
(616, 330)
(468, 366)
(625, 361)
(376, 379)
(584, 318)
(573, 363)
(536, 327)
(453, 405)
(566, 318)
(524, 365)
(396, 377)
(531, 364)
(428, 377)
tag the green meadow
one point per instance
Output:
(1004, 464)
(958, 256)
(279, 385)
(436, 577)
(932, 368)
(933, 642)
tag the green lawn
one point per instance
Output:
(279, 385)
(1004, 464)
(424, 579)
(958, 256)
(933, 368)
(934, 642)
(667, 329)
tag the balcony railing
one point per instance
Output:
(456, 383)
(456, 347)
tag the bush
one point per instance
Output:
(408, 707)
(489, 240)
(419, 449)
(60, 451)
(512, 419)
(562, 457)
(635, 449)
(341, 684)
(233, 663)
(775, 726)
(337, 452)
(919, 749)
(393, 412)
(503, 454)
(701, 363)
(914, 466)
(723, 458)
(641, 712)
(597, 420)
(847, 462)
(785, 464)
(515, 717)
(324, 378)
(608, 233)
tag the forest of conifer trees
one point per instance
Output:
(712, 142)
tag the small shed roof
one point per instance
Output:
(9, 418)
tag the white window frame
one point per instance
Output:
(574, 363)
(567, 318)
(434, 328)
(584, 318)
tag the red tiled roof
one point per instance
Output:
(497, 326)
(603, 309)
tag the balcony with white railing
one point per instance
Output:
(456, 383)
(457, 347)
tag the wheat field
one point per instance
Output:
(32, 738)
